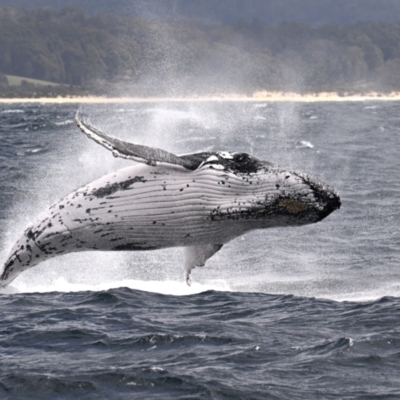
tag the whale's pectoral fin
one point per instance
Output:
(144, 154)
(196, 256)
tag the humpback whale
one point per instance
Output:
(197, 201)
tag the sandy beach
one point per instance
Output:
(262, 96)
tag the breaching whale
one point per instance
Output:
(198, 201)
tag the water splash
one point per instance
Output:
(310, 261)
(169, 287)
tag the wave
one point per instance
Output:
(29, 152)
(329, 348)
(168, 287)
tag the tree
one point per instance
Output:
(171, 54)
(3, 80)
(389, 75)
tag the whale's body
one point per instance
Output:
(199, 201)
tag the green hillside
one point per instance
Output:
(19, 80)
(314, 12)
(124, 55)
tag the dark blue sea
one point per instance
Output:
(307, 312)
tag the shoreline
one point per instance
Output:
(262, 96)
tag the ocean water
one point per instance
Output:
(308, 312)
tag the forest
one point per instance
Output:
(314, 12)
(128, 54)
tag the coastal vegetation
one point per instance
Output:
(3, 80)
(106, 54)
(313, 12)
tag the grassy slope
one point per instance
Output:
(16, 81)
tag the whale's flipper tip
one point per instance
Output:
(188, 279)
(196, 256)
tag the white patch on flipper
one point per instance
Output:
(226, 155)
(196, 256)
(217, 166)
(212, 159)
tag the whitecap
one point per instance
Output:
(157, 369)
(305, 143)
(67, 122)
(29, 152)
(12, 111)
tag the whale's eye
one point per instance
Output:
(240, 158)
(244, 163)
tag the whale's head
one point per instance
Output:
(276, 196)
(299, 199)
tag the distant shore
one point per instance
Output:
(262, 96)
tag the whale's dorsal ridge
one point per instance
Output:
(144, 154)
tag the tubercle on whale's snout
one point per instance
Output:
(333, 203)
(302, 197)
(326, 198)
(312, 197)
